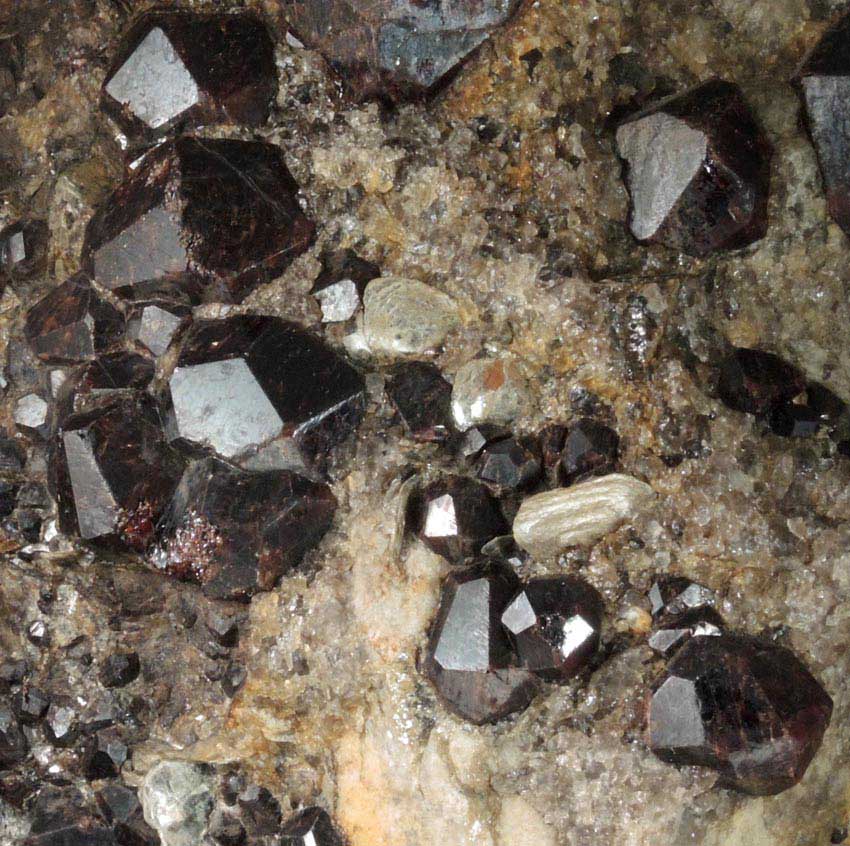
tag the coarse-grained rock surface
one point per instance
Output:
(502, 191)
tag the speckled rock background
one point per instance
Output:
(504, 192)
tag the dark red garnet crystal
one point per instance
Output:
(213, 218)
(747, 708)
(237, 532)
(178, 69)
(422, 398)
(555, 624)
(113, 473)
(698, 171)
(245, 381)
(470, 659)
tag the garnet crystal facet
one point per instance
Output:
(112, 473)
(72, 323)
(310, 827)
(590, 449)
(395, 49)
(422, 398)
(698, 171)
(211, 217)
(555, 623)
(244, 381)
(237, 532)
(470, 658)
(746, 708)
(824, 84)
(455, 516)
(182, 69)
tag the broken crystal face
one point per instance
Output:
(555, 624)
(746, 708)
(422, 398)
(112, 473)
(178, 69)
(509, 464)
(210, 218)
(237, 532)
(243, 381)
(395, 49)
(455, 516)
(589, 449)
(72, 323)
(698, 171)
(470, 659)
(340, 286)
(673, 630)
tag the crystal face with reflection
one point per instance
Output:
(673, 630)
(747, 708)
(212, 218)
(698, 171)
(555, 624)
(112, 473)
(824, 85)
(422, 398)
(186, 69)
(238, 532)
(242, 381)
(470, 659)
(455, 516)
(310, 827)
(395, 49)
(72, 323)
(590, 449)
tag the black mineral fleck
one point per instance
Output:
(590, 448)
(119, 669)
(310, 827)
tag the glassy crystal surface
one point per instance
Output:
(153, 325)
(755, 381)
(555, 624)
(177, 69)
(106, 378)
(422, 398)
(340, 285)
(673, 630)
(72, 323)
(672, 595)
(212, 217)
(395, 49)
(470, 659)
(243, 381)
(310, 827)
(590, 448)
(113, 472)
(698, 171)
(237, 532)
(746, 708)
(509, 464)
(23, 249)
(455, 516)
(824, 85)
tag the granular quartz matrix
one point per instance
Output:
(424, 423)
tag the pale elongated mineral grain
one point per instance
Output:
(549, 522)
(406, 317)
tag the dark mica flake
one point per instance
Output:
(244, 381)
(112, 473)
(698, 171)
(823, 82)
(455, 516)
(555, 624)
(212, 218)
(395, 49)
(238, 532)
(746, 708)
(470, 659)
(422, 398)
(72, 323)
(175, 70)
(310, 827)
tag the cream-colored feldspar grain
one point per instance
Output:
(549, 522)
(406, 317)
